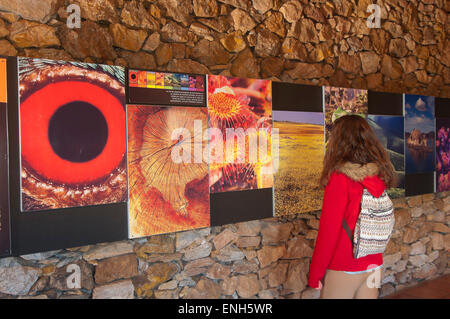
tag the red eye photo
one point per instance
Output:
(72, 134)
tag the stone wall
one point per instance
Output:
(318, 42)
(314, 42)
(259, 259)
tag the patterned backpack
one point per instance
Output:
(374, 225)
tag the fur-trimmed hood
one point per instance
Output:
(358, 172)
(366, 174)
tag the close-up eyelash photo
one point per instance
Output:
(72, 134)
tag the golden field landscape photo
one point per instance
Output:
(301, 152)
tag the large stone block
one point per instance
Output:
(247, 286)
(109, 250)
(17, 280)
(40, 11)
(119, 267)
(270, 254)
(126, 38)
(26, 34)
(118, 290)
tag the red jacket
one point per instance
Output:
(342, 198)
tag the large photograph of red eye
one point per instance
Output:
(72, 134)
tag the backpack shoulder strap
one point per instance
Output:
(347, 229)
(344, 222)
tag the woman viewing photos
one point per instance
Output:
(356, 173)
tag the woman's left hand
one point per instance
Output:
(320, 286)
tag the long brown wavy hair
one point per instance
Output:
(352, 140)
